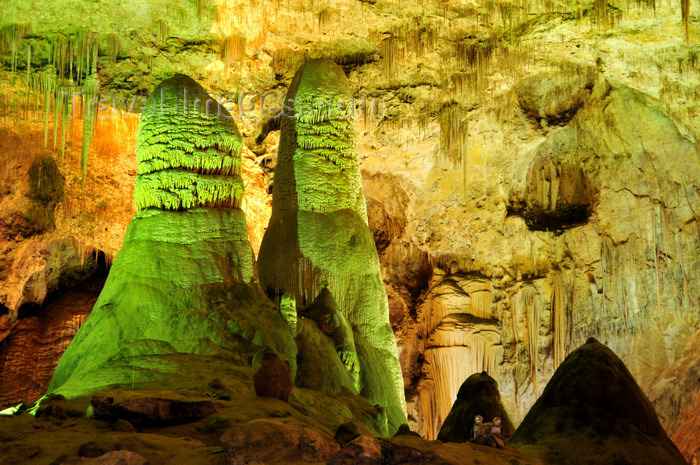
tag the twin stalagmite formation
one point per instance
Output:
(181, 303)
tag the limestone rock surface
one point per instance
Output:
(278, 441)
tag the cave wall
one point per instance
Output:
(534, 180)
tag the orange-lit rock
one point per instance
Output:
(29, 355)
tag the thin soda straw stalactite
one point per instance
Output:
(89, 116)
(48, 86)
(66, 106)
(233, 51)
(685, 16)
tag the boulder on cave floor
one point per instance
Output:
(478, 395)
(593, 411)
(272, 375)
(277, 440)
(145, 407)
(117, 457)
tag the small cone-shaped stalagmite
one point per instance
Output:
(185, 250)
(478, 395)
(318, 235)
(593, 411)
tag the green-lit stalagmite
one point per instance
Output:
(178, 299)
(318, 235)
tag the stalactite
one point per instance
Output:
(29, 67)
(429, 408)
(391, 53)
(62, 50)
(67, 103)
(57, 112)
(70, 62)
(11, 36)
(529, 300)
(79, 46)
(113, 46)
(199, 7)
(656, 261)
(95, 53)
(514, 306)
(481, 303)
(454, 135)
(36, 85)
(90, 85)
(622, 259)
(325, 18)
(569, 315)
(554, 185)
(48, 87)
(685, 16)
(161, 31)
(233, 50)
(559, 323)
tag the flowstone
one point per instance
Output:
(179, 303)
(318, 237)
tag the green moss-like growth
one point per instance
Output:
(188, 150)
(318, 235)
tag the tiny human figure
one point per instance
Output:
(495, 439)
(496, 428)
(478, 420)
(480, 433)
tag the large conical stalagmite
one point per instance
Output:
(318, 234)
(593, 411)
(179, 282)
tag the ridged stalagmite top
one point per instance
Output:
(189, 150)
(317, 166)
